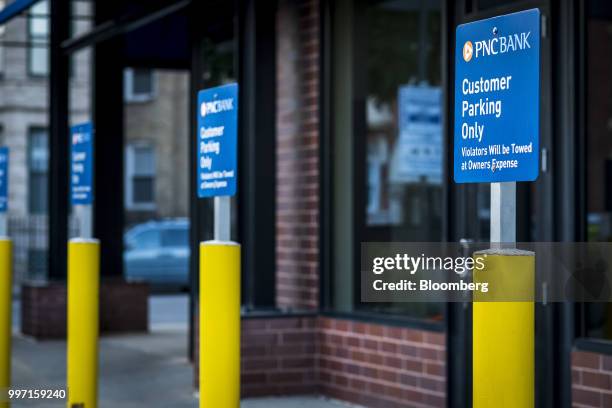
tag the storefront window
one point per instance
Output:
(388, 149)
(598, 316)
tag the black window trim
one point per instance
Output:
(581, 340)
(326, 154)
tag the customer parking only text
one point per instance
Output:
(477, 158)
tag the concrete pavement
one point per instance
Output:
(136, 370)
(148, 370)
(294, 402)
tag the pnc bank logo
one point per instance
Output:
(221, 105)
(496, 45)
(468, 51)
(78, 138)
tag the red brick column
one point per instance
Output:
(297, 128)
(591, 380)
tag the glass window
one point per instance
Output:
(38, 170)
(598, 316)
(175, 237)
(140, 174)
(387, 137)
(38, 33)
(143, 81)
(139, 84)
(2, 39)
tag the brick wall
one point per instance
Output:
(278, 356)
(297, 130)
(381, 366)
(591, 380)
(363, 363)
(124, 307)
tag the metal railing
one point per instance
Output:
(30, 245)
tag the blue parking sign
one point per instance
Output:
(81, 164)
(4, 167)
(497, 99)
(217, 139)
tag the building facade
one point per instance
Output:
(328, 159)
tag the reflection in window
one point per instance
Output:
(598, 316)
(140, 175)
(139, 84)
(146, 240)
(393, 72)
(2, 39)
(38, 32)
(175, 237)
(38, 170)
(403, 117)
(404, 130)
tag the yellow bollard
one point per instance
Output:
(6, 297)
(503, 331)
(219, 324)
(83, 322)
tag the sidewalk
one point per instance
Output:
(136, 371)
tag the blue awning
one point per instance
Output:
(15, 8)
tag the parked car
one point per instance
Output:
(158, 252)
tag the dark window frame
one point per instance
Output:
(581, 339)
(38, 42)
(31, 131)
(326, 187)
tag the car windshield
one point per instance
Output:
(175, 237)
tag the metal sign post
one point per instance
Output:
(222, 227)
(6, 276)
(84, 215)
(503, 212)
(83, 276)
(219, 301)
(497, 101)
(3, 225)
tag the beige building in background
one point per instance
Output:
(156, 134)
